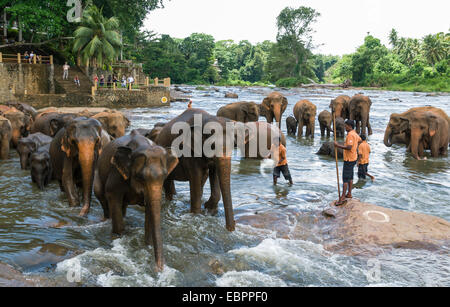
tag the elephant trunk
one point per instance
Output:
(223, 166)
(153, 222)
(16, 135)
(277, 114)
(86, 156)
(24, 162)
(415, 140)
(40, 181)
(388, 137)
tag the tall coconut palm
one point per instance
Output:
(435, 48)
(97, 39)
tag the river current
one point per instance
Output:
(40, 235)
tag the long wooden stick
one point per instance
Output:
(336, 155)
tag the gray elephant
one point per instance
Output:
(327, 149)
(41, 167)
(28, 145)
(325, 123)
(340, 106)
(131, 171)
(240, 111)
(273, 107)
(305, 114)
(359, 107)
(5, 137)
(340, 127)
(291, 124)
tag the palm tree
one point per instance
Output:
(435, 48)
(98, 38)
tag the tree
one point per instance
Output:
(435, 48)
(97, 38)
(393, 38)
(363, 61)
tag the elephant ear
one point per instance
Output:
(284, 104)
(122, 161)
(55, 125)
(245, 108)
(266, 104)
(433, 124)
(172, 161)
(104, 120)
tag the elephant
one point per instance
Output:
(20, 123)
(197, 169)
(231, 95)
(5, 137)
(428, 130)
(41, 167)
(27, 146)
(291, 124)
(261, 132)
(305, 114)
(273, 107)
(50, 123)
(24, 108)
(359, 107)
(74, 152)
(243, 112)
(115, 123)
(340, 127)
(327, 149)
(398, 128)
(325, 121)
(131, 171)
(340, 107)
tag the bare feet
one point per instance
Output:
(84, 211)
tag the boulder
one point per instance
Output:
(231, 95)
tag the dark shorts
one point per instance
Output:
(347, 174)
(363, 169)
(282, 169)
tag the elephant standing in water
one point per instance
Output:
(131, 171)
(27, 146)
(340, 107)
(197, 169)
(291, 125)
(325, 121)
(115, 123)
(398, 129)
(305, 114)
(74, 152)
(20, 123)
(41, 167)
(5, 137)
(273, 107)
(240, 111)
(428, 130)
(359, 108)
(340, 127)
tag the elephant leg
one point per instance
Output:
(68, 184)
(115, 196)
(434, 148)
(100, 194)
(196, 189)
(369, 127)
(169, 189)
(311, 129)
(322, 130)
(358, 127)
(300, 128)
(329, 131)
(211, 205)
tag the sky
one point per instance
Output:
(340, 29)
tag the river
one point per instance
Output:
(198, 251)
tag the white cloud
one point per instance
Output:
(341, 27)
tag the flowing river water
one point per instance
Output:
(40, 235)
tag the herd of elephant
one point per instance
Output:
(88, 152)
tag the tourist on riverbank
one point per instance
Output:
(363, 159)
(31, 57)
(350, 158)
(95, 79)
(26, 56)
(130, 81)
(66, 71)
(109, 82)
(77, 81)
(102, 80)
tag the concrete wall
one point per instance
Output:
(20, 78)
(108, 98)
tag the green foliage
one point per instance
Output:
(97, 38)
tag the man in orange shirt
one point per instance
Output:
(279, 153)
(350, 157)
(363, 159)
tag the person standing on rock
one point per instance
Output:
(350, 158)
(363, 159)
(66, 71)
(278, 153)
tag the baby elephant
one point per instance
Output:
(327, 149)
(340, 127)
(291, 124)
(41, 168)
(27, 146)
(325, 123)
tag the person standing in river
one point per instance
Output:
(350, 158)
(363, 159)
(278, 153)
